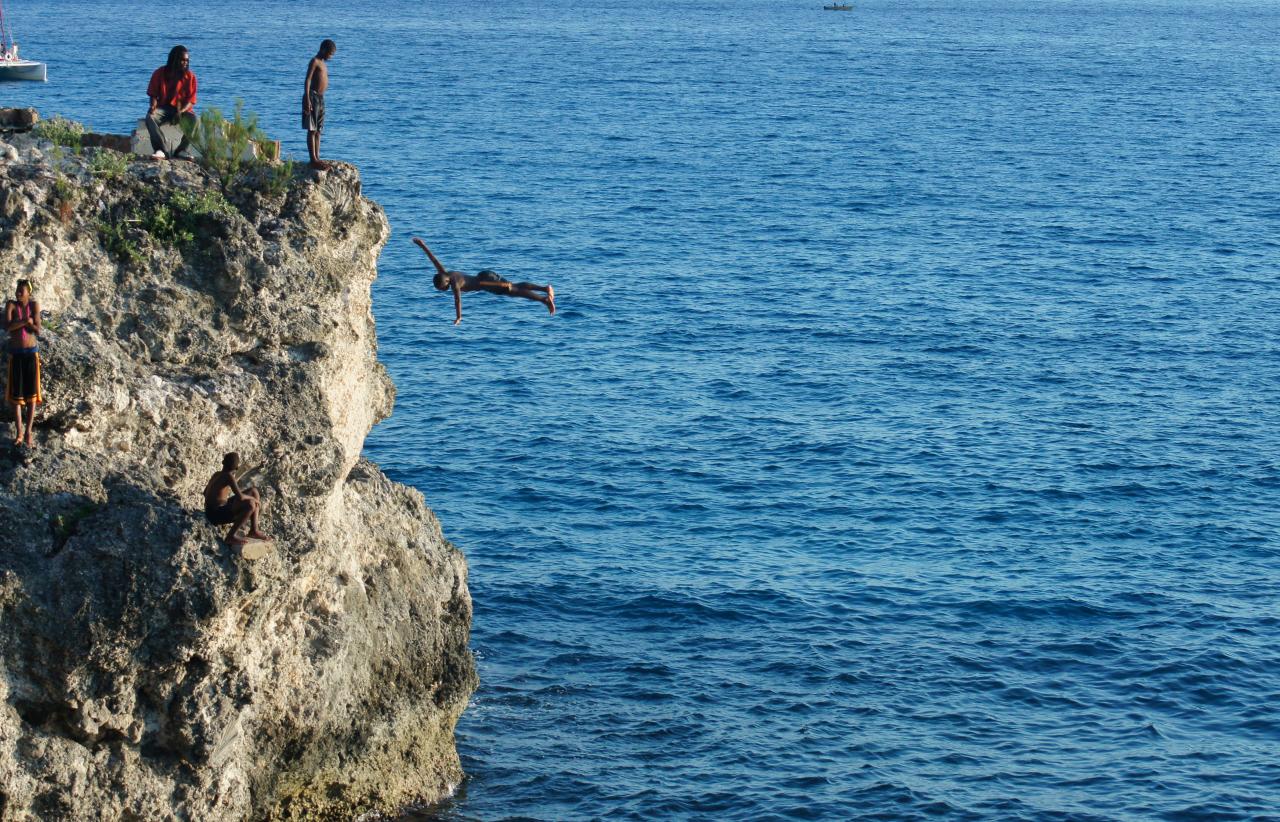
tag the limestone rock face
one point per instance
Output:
(146, 670)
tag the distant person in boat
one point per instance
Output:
(225, 503)
(313, 89)
(485, 281)
(22, 321)
(173, 100)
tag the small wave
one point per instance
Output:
(666, 607)
(1031, 609)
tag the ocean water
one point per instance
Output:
(906, 443)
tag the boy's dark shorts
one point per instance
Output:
(223, 514)
(313, 120)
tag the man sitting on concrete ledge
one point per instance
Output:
(173, 99)
(225, 503)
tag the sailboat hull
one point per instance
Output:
(23, 70)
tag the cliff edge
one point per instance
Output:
(146, 670)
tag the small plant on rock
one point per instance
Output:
(116, 239)
(226, 147)
(179, 221)
(108, 164)
(65, 526)
(65, 195)
(164, 227)
(238, 152)
(207, 203)
(61, 132)
(275, 179)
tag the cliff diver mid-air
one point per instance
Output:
(485, 281)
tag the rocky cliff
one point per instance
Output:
(146, 670)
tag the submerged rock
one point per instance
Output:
(146, 670)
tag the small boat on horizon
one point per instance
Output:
(838, 7)
(13, 67)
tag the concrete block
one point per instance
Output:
(140, 140)
(117, 142)
(140, 144)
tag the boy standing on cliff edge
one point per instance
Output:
(313, 89)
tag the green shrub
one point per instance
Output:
(116, 239)
(238, 152)
(65, 194)
(275, 179)
(162, 225)
(65, 191)
(207, 203)
(108, 164)
(223, 144)
(61, 132)
(178, 222)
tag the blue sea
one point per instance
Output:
(907, 443)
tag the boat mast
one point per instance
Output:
(5, 42)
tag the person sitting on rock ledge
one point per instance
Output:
(173, 100)
(485, 281)
(22, 321)
(225, 503)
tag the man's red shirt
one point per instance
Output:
(177, 94)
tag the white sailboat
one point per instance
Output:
(13, 67)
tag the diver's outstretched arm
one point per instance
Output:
(439, 266)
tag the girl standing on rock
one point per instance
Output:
(22, 321)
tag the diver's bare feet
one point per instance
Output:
(235, 541)
(320, 165)
(31, 442)
(551, 299)
(261, 537)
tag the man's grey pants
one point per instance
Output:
(167, 115)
